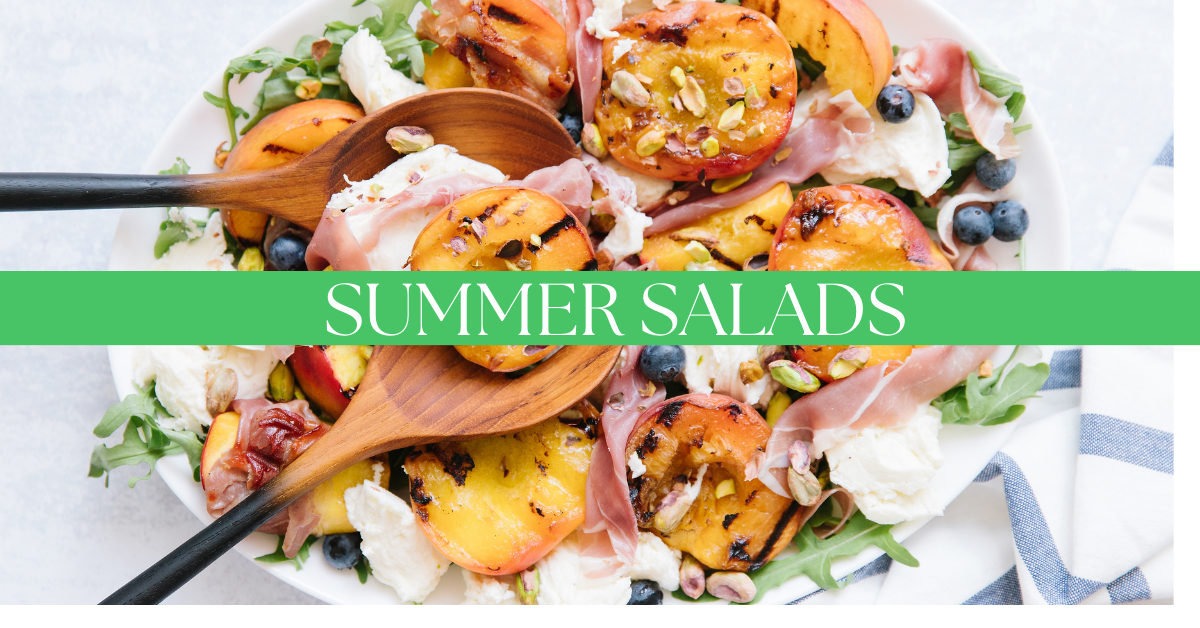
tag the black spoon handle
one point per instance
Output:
(36, 191)
(173, 571)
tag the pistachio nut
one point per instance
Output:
(691, 577)
(721, 186)
(757, 262)
(753, 99)
(603, 223)
(629, 90)
(678, 76)
(252, 259)
(986, 369)
(281, 383)
(409, 139)
(805, 487)
(794, 376)
(693, 97)
(672, 508)
(710, 147)
(779, 402)
(592, 141)
(221, 391)
(732, 116)
(734, 586)
(757, 130)
(750, 371)
(726, 487)
(307, 89)
(848, 361)
(528, 583)
(651, 142)
(698, 251)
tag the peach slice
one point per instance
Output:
(278, 139)
(496, 505)
(853, 227)
(844, 35)
(329, 497)
(222, 436)
(817, 358)
(329, 374)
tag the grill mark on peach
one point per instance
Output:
(555, 229)
(724, 259)
(729, 520)
(776, 533)
(671, 33)
(669, 413)
(649, 444)
(500, 14)
(276, 149)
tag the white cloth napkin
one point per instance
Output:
(1078, 506)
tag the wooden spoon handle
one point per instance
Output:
(189, 559)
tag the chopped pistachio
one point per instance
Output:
(677, 76)
(721, 186)
(732, 116)
(593, 142)
(848, 362)
(603, 223)
(307, 89)
(779, 402)
(794, 376)
(693, 97)
(651, 142)
(629, 90)
(781, 155)
(698, 251)
(753, 99)
(221, 391)
(252, 259)
(750, 371)
(628, 124)
(528, 583)
(281, 383)
(710, 147)
(409, 139)
(535, 239)
(726, 487)
(986, 369)
(757, 130)
(646, 80)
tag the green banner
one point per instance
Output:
(539, 308)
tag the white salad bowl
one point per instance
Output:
(200, 127)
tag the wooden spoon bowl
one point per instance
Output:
(496, 128)
(409, 396)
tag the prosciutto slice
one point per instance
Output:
(333, 243)
(609, 530)
(942, 69)
(584, 51)
(270, 436)
(886, 394)
(836, 128)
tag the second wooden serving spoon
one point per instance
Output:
(499, 129)
(409, 396)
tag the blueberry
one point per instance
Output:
(287, 252)
(895, 104)
(646, 592)
(973, 226)
(573, 123)
(1011, 221)
(995, 173)
(662, 363)
(342, 550)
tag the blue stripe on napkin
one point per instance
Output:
(1167, 157)
(1130, 587)
(1005, 590)
(1143, 446)
(1032, 537)
(1065, 369)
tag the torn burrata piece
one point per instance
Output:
(489, 590)
(401, 555)
(653, 560)
(206, 252)
(627, 235)
(563, 580)
(648, 189)
(718, 368)
(180, 374)
(398, 236)
(889, 469)
(366, 68)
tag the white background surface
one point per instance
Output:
(90, 87)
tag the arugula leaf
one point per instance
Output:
(1016, 105)
(990, 400)
(363, 567)
(815, 559)
(993, 79)
(279, 557)
(886, 185)
(177, 227)
(143, 440)
(959, 122)
(804, 61)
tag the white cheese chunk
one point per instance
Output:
(401, 555)
(716, 368)
(627, 235)
(181, 375)
(366, 68)
(489, 590)
(563, 580)
(648, 189)
(206, 252)
(655, 561)
(889, 469)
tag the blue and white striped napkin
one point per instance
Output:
(1078, 506)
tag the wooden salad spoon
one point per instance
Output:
(497, 128)
(409, 396)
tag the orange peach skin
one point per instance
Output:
(816, 358)
(278, 139)
(844, 35)
(328, 374)
(853, 227)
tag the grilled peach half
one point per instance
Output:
(727, 522)
(731, 236)
(698, 91)
(853, 227)
(817, 359)
(496, 505)
(329, 374)
(278, 139)
(504, 228)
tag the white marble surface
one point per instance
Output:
(90, 86)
